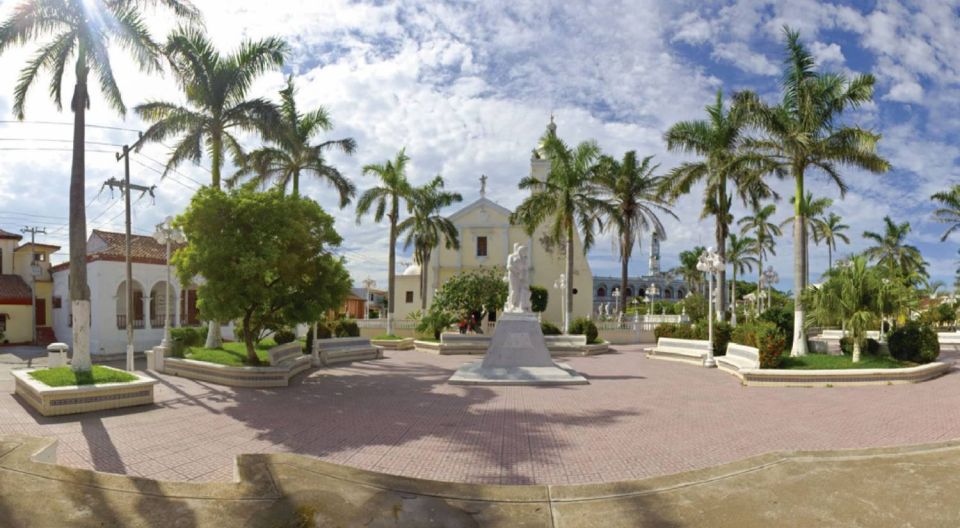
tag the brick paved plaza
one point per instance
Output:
(638, 418)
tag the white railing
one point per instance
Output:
(402, 324)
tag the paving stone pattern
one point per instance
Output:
(638, 418)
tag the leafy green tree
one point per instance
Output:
(385, 199)
(740, 251)
(949, 210)
(892, 253)
(426, 228)
(829, 230)
(804, 134)
(850, 294)
(480, 291)
(723, 164)
(292, 153)
(688, 271)
(567, 200)
(69, 31)
(265, 258)
(539, 297)
(631, 189)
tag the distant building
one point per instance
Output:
(18, 264)
(375, 302)
(668, 288)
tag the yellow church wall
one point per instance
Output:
(18, 323)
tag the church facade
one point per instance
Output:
(656, 285)
(486, 239)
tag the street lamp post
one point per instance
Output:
(167, 234)
(561, 285)
(711, 264)
(616, 299)
(770, 277)
(652, 293)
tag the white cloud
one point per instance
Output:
(740, 55)
(827, 54)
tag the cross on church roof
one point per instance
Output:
(483, 185)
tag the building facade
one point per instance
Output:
(655, 285)
(486, 238)
(20, 266)
(106, 276)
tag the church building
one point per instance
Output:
(486, 238)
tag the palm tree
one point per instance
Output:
(813, 211)
(717, 140)
(850, 294)
(215, 87)
(292, 152)
(949, 210)
(631, 188)
(829, 230)
(386, 199)
(426, 227)
(68, 31)
(567, 199)
(893, 254)
(765, 233)
(687, 269)
(740, 256)
(803, 134)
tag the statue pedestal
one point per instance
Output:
(517, 356)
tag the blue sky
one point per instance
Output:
(468, 88)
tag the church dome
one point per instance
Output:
(413, 269)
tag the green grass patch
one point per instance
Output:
(65, 376)
(827, 362)
(388, 337)
(232, 354)
(428, 339)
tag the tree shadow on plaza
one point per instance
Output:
(357, 415)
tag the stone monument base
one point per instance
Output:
(517, 356)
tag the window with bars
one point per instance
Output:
(481, 246)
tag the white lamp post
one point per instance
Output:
(561, 285)
(168, 235)
(711, 264)
(616, 299)
(652, 293)
(770, 277)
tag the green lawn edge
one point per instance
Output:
(388, 337)
(232, 354)
(828, 362)
(66, 377)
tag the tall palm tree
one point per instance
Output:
(292, 152)
(687, 269)
(717, 140)
(949, 210)
(566, 199)
(215, 87)
(829, 230)
(765, 233)
(631, 188)
(813, 212)
(804, 134)
(71, 31)
(394, 188)
(891, 251)
(740, 256)
(426, 228)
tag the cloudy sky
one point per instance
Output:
(468, 88)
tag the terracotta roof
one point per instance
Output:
(10, 236)
(13, 288)
(38, 245)
(142, 248)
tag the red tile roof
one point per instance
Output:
(14, 290)
(10, 236)
(143, 249)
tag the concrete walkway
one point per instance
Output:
(638, 418)
(873, 488)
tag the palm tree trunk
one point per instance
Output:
(79, 289)
(829, 257)
(214, 339)
(733, 297)
(856, 350)
(392, 264)
(720, 303)
(569, 274)
(799, 271)
(423, 280)
(625, 250)
(759, 304)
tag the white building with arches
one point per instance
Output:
(106, 274)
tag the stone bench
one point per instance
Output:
(688, 350)
(284, 354)
(346, 349)
(739, 357)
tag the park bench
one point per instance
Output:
(689, 350)
(346, 349)
(739, 357)
(285, 354)
(464, 343)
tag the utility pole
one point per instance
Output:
(33, 277)
(125, 186)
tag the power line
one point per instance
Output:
(48, 140)
(65, 123)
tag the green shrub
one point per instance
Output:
(780, 316)
(771, 342)
(284, 336)
(721, 335)
(538, 298)
(435, 322)
(665, 330)
(549, 328)
(345, 328)
(586, 327)
(846, 345)
(914, 342)
(323, 331)
(185, 337)
(683, 331)
(870, 346)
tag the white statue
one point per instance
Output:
(518, 269)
